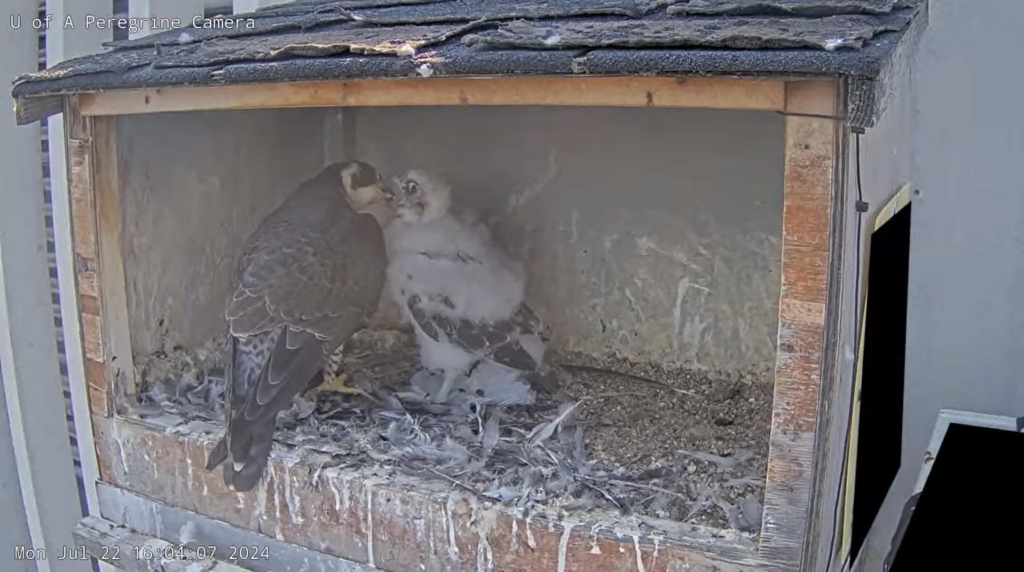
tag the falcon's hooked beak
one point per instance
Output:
(389, 193)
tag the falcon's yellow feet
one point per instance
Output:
(338, 384)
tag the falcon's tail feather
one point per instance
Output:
(269, 380)
(218, 454)
(243, 472)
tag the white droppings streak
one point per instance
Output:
(449, 526)
(483, 520)
(530, 540)
(639, 556)
(594, 548)
(290, 497)
(513, 543)
(345, 495)
(152, 465)
(563, 546)
(337, 494)
(188, 464)
(277, 502)
(430, 529)
(261, 501)
(369, 524)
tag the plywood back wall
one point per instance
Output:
(651, 233)
(193, 186)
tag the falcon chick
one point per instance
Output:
(309, 277)
(463, 296)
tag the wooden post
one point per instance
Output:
(183, 10)
(804, 306)
(28, 346)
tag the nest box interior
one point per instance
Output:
(652, 242)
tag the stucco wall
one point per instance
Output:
(965, 339)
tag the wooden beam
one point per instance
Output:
(183, 527)
(133, 552)
(28, 110)
(96, 229)
(120, 364)
(35, 405)
(809, 194)
(716, 93)
(389, 524)
(85, 254)
(837, 361)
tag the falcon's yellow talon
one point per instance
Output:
(350, 390)
(338, 384)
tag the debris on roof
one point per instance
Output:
(354, 39)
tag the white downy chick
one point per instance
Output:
(463, 296)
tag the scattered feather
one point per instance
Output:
(530, 452)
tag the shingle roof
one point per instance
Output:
(350, 39)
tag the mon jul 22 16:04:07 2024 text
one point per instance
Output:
(148, 552)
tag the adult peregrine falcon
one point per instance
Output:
(309, 277)
(463, 296)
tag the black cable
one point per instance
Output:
(861, 208)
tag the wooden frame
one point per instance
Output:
(812, 268)
(716, 93)
(380, 525)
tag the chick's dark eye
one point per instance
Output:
(411, 188)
